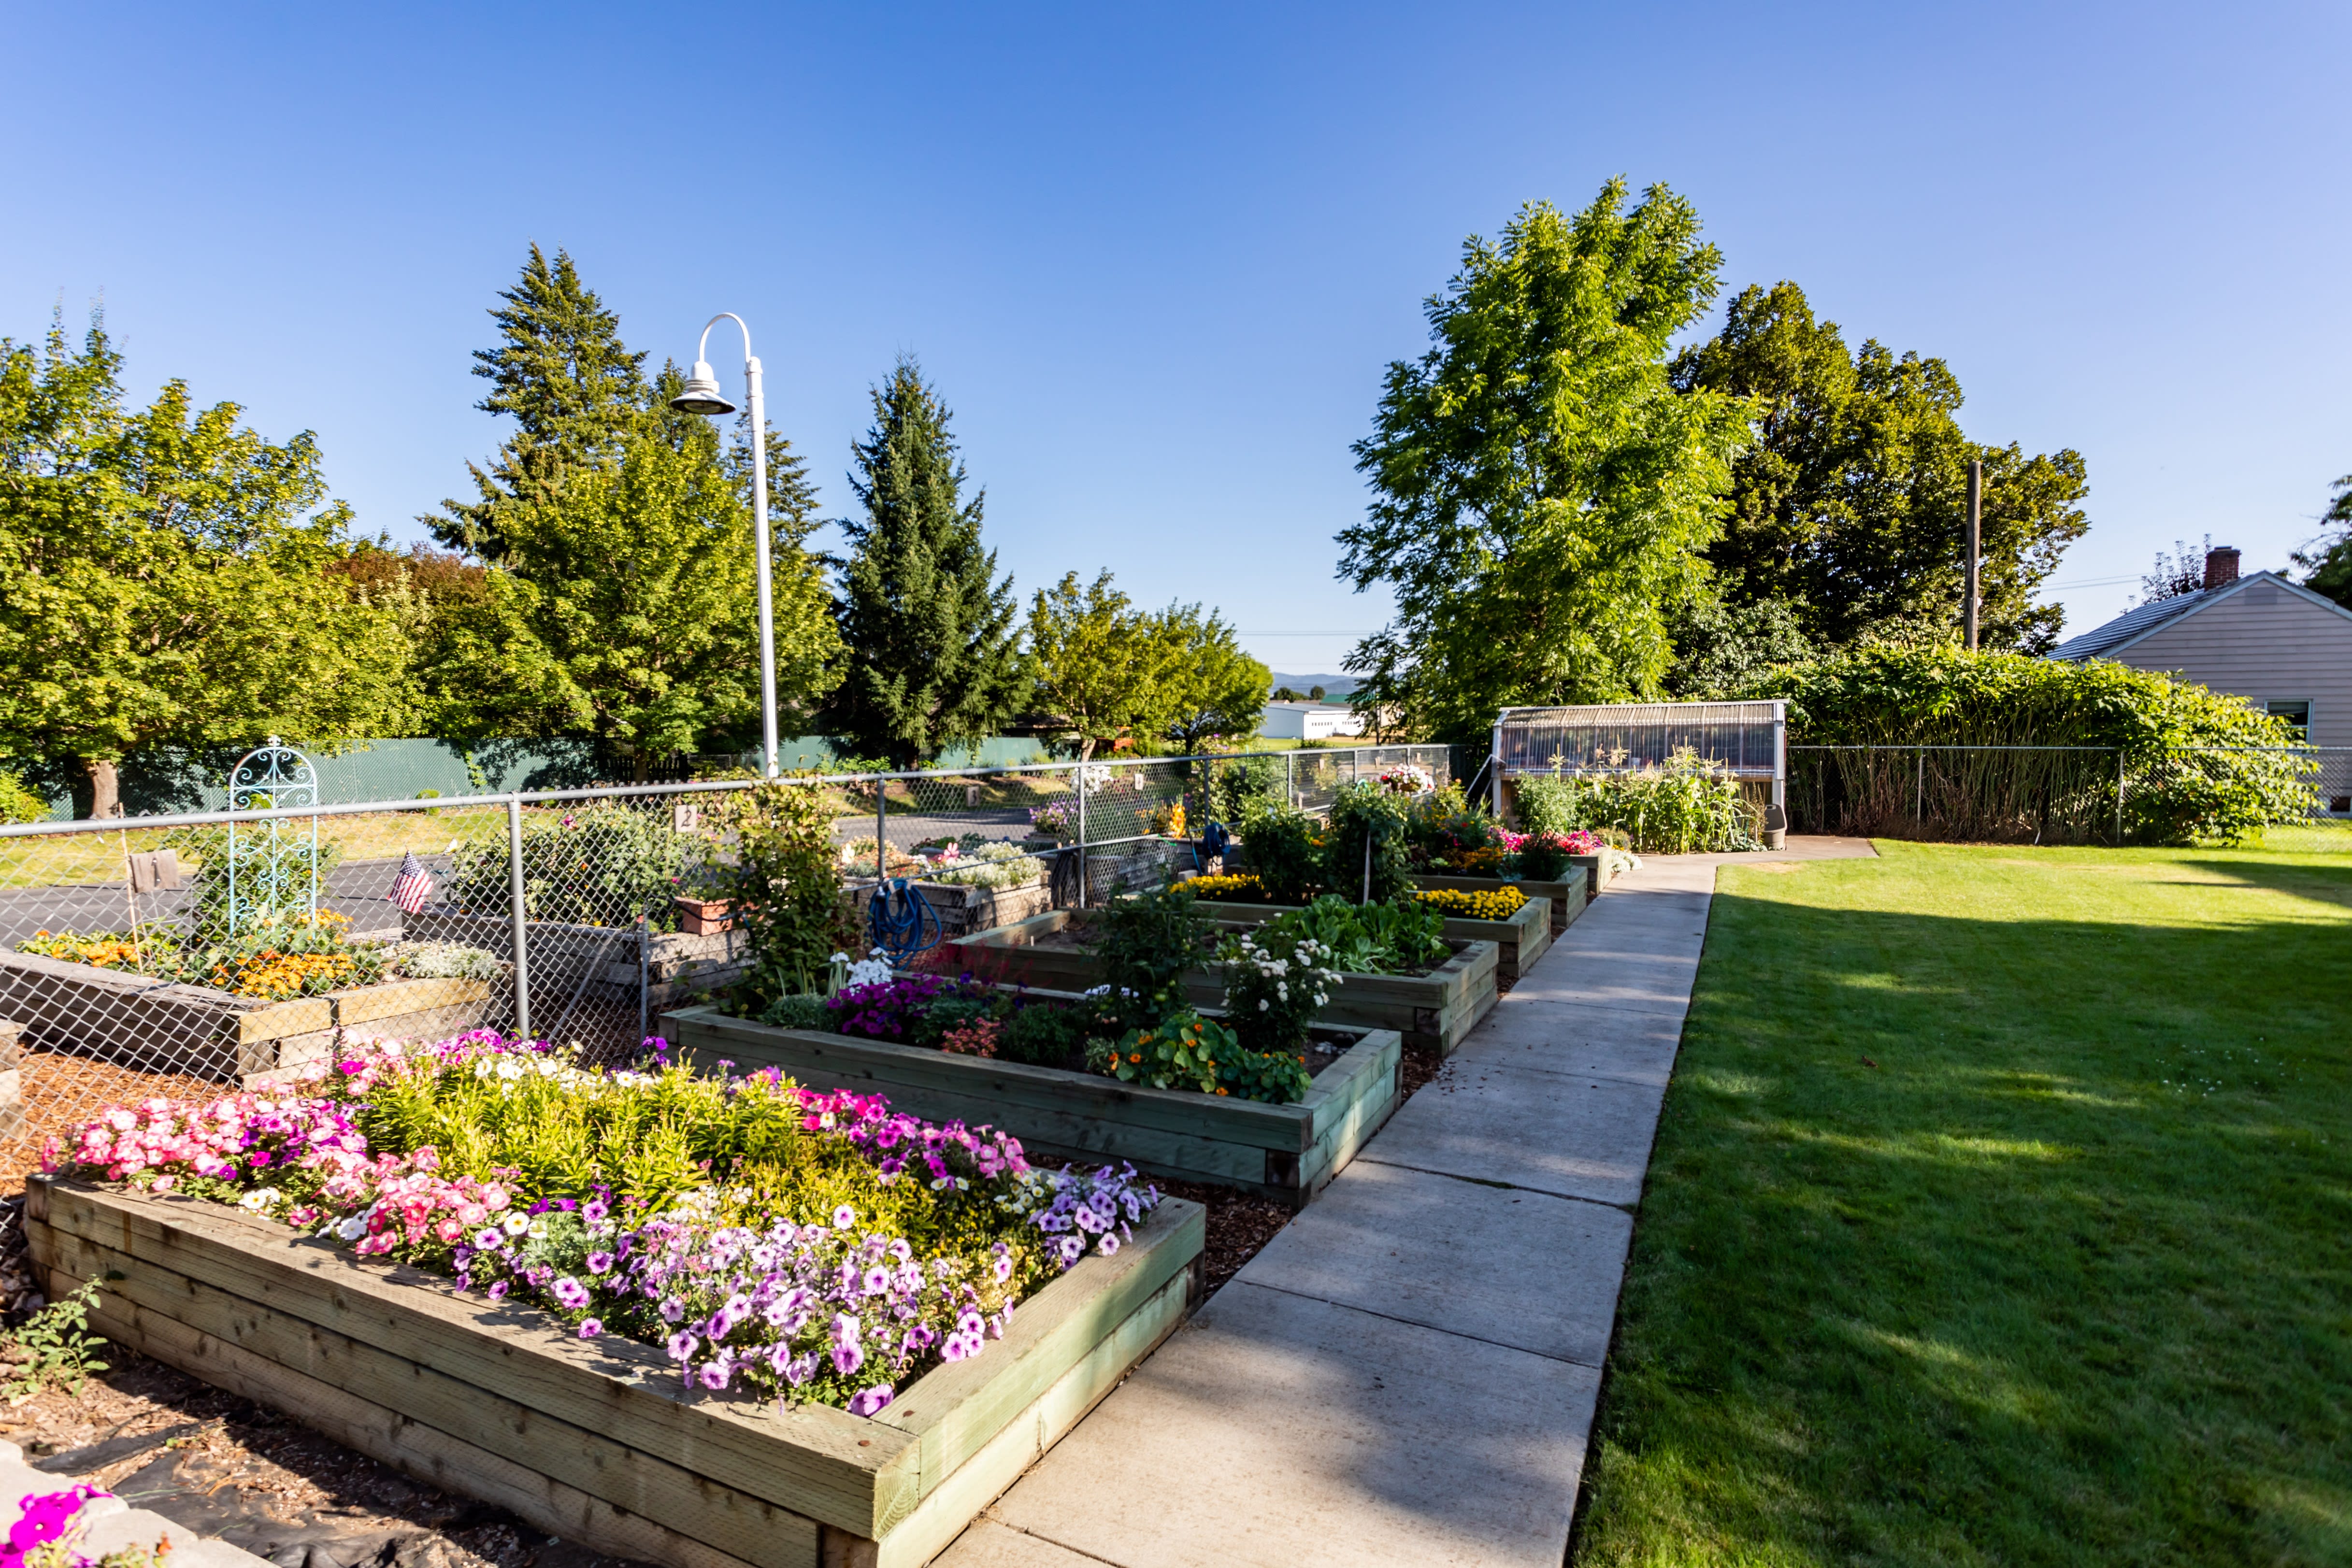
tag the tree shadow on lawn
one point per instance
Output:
(2064, 1277)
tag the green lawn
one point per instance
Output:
(2065, 1278)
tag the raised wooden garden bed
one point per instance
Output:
(595, 1441)
(599, 961)
(1519, 941)
(1436, 1010)
(963, 909)
(1288, 1153)
(1567, 899)
(155, 1026)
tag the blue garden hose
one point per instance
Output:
(1214, 842)
(902, 920)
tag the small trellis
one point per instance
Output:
(274, 870)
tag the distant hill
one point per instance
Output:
(1334, 687)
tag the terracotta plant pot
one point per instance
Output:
(705, 916)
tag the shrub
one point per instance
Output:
(1245, 789)
(443, 961)
(600, 865)
(1285, 851)
(18, 803)
(797, 1009)
(1274, 981)
(1945, 697)
(1547, 857)
(1364, 853)
(1048, 1034)
(785, 883)
(1147, 941)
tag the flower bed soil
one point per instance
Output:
(139, 1021)
(594, 1441)
(1437, 1010)
(1287, 1152)
(1568, 899)
(1519, 941)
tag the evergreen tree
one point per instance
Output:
(573, 391)
(931, 658)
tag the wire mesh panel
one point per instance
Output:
(127, 969)
(1742, 737)
(2048, 795)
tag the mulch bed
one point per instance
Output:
(217, 1465)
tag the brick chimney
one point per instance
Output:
(2221, 568)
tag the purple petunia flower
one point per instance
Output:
(849, 1358)
(591, 1327)
(843, 1218)
(599, 1261)
(866, 1401)
(570, 1293)
(682, 1346)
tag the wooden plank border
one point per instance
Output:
(1435, 1011)
(1288, 1153)
(598, 1440)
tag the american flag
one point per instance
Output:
(414, 885)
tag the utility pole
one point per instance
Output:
(1976, 541)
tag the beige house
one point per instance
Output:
(2282, 647)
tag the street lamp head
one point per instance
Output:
(701, 395)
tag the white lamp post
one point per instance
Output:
(702, 396)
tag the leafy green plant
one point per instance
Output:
(1284, 848)
(271, 875)
(1048, 1034)
(1364, 853)
(785, 883)
(600, 865)
(1245, 789)
(797, 1009)
(53, 1347)
(1147, 941)
(1275, 982)
(18, 803)
(1367, 939)
(1684, 806)
(1543, 858)
(1185, 1050)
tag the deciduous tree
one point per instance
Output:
(1098, 663)
(1541, 492)
(167, 577)
(1850, 507)
(1210, 688)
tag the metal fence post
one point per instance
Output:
(881, 826)
(2119, 796)
(1919, 790)
(521, 922)
(645, 982)
(1494, 764)
(1290, 779)
(1078, 786)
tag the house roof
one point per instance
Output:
(2105, 641)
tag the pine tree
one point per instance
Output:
(931, 658)
(575, 391)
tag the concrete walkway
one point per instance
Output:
(1407, 1374)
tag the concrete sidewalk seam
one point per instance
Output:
(1433, 1328)
(1506, 1187)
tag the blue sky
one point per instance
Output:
(1157, 258)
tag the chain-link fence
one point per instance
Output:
(2069, 794)
(195, 953)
